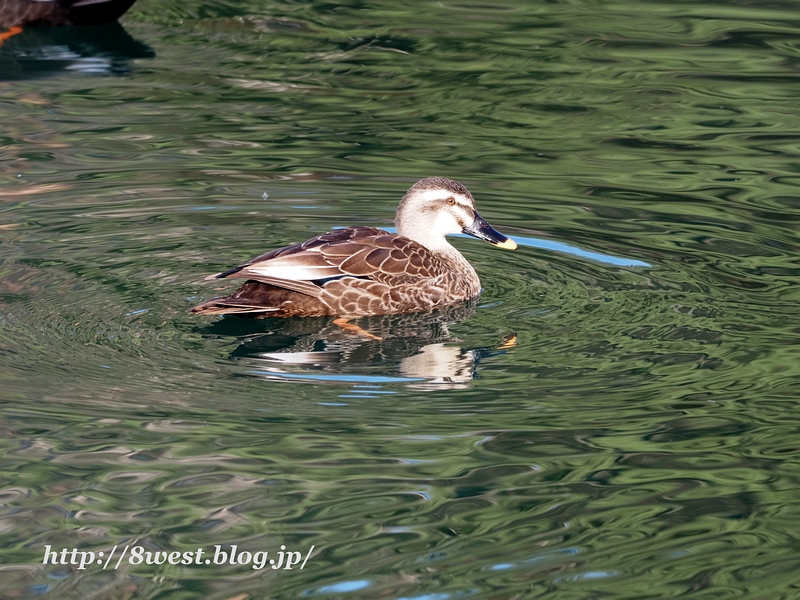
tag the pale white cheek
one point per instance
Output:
(445, 223)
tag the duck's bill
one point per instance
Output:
(483, 231)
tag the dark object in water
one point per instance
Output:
(45, 51)
(15, 14)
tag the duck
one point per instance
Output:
(363, 271)
(16, 14)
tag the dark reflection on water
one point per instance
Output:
(417, 348)
(47, 51)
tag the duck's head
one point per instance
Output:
(435, 207)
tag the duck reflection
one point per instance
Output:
(417, 349)
(44, 51)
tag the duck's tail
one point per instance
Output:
(229, 306)
(258, 299)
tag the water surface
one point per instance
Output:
(615, 416)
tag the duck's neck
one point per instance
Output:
(455, 260)
(436, 242)
(449, 254)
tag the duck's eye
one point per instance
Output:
(451, 201)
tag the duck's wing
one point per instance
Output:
(18, 12)
(361, 252)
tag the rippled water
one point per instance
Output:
(636, 438)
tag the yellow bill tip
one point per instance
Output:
(509, 341)
(509, 244)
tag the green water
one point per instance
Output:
(638, 441)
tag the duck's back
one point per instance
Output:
(353, 271)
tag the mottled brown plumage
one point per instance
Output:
(360, 271)
(16, 13)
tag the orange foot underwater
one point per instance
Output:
(12, 31)
(353, 328)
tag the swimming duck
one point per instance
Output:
(360, 271)
(14, 14)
